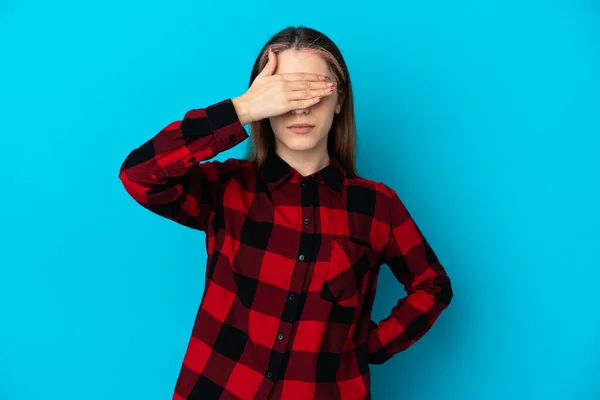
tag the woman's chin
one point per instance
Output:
(300, 144)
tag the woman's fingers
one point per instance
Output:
(307, 84)
(303, 103)
(308, 93)
(297, 89)
(304, 76)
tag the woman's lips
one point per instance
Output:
(301, 129)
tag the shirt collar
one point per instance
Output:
(277, 171)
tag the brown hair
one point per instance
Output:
(341, 141)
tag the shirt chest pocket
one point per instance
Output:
(347, 267)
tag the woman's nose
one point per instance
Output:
(301, 111)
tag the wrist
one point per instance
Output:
(241, 109)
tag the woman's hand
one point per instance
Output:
(271, 95)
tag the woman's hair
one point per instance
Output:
(341, 140)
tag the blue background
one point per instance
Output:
(484, 116)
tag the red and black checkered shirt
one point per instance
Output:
(292, 265)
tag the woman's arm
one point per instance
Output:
(166, 176)
(415, 265)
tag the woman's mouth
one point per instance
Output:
(304, 128)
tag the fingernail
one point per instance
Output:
(323, 77)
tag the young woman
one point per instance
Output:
(295, 238)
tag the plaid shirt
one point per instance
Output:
(292, 265)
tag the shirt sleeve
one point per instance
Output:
(169, 174)
(415, 265)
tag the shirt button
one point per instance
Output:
(291, 296)
(303, 184)
(269, 375)
(280, 336)
(301, 257)
(232, 138)
(306, 221)
(192, 159)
